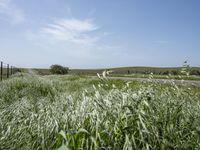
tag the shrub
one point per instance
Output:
(174, 72)
(165, 72)
(195, 72)
(58, 69)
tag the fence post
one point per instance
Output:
(1, 70)
(7, 70)
(11, 71)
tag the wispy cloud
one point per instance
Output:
(11, 12)
(72, 30)
(75, 38)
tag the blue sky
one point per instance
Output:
(100, 33)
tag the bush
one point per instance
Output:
(195, 72)
(165, 72)
(174, 72)
(58, 69)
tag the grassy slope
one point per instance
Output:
(83, 112)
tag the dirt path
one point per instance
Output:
(162, 81)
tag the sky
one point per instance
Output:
(99, 33)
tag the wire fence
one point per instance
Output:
(6, 70)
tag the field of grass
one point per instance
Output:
(136, 72)
(81, 112)
(176, 77)
(139, 70)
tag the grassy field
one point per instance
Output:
(139, 70)
(176, 77)
(82, 112)
(135, 72)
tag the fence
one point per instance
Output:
(6, 70)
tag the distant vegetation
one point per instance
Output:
(157, 71)
(58, 69)
(129, 70)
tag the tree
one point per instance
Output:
(58, 69)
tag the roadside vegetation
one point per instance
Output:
(81, 112)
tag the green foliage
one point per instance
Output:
(58, 69)
(195, 72)
(43, 113)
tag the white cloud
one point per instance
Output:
(11, 12)
(67, 40)
(71, 30)
(77, 25)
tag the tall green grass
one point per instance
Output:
(67, 112)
